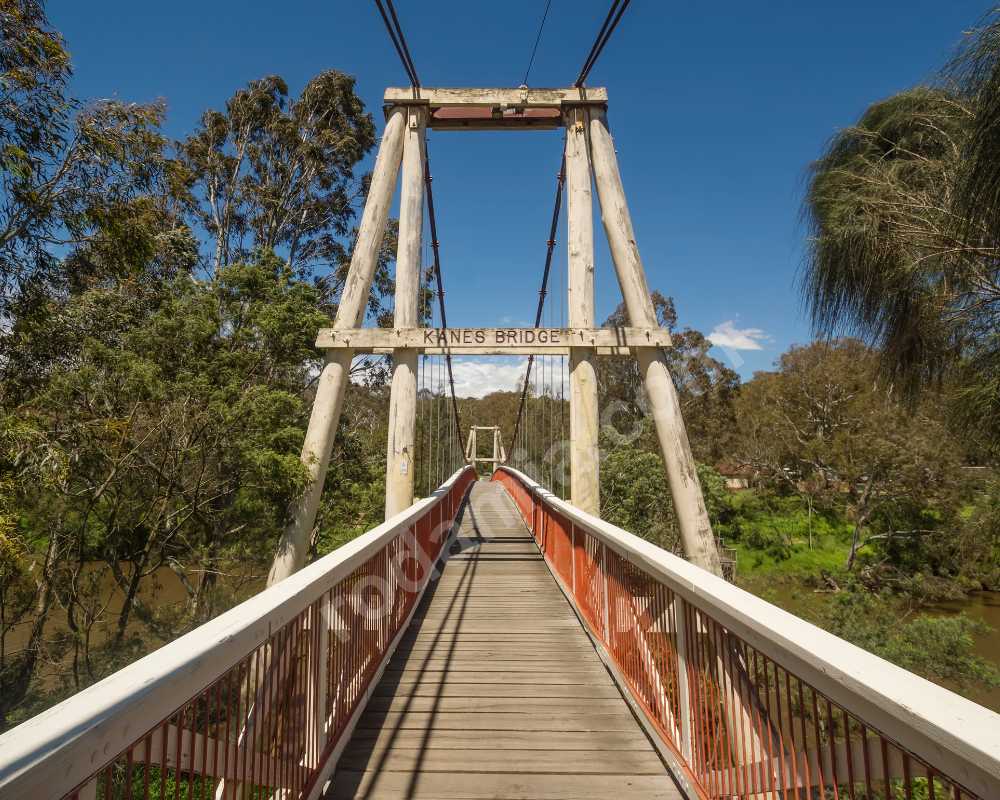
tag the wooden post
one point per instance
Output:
(682, 475)
(470, 447)
(403, 396)
(332, 383)
(585, 492)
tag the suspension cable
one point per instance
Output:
(398, 38)
(395, 31)
(560, 180)
(611, 21)
(538, 38)
(428, 181)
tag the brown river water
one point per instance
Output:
(983, 606)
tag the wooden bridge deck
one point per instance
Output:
(496, 691)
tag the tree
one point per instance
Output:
(34, 68)
(897, 258)
(634, 497)
(72, 177)
(825, 425)
(175, 427)
(705, 385)
(939, 648)
(276, 174)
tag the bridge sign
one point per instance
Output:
(492, 341)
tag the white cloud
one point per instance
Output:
(508, 321)
(727, 336)
(479, 377)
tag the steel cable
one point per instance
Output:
(616, 11)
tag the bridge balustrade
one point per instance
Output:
(256, 703)
(745, 699)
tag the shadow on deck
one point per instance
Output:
(496, 690)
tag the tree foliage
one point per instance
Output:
(904, 248)
(827, 426)
(706, 387)
(153, 396)
(274, 173)
(941, 648)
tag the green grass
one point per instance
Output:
(777, 536)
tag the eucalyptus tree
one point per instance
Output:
(276, 173)
(826, 426)
(705, 385)
(73, 176)
(34, 110)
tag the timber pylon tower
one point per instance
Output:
(590, 161)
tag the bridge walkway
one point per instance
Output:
(496, 690)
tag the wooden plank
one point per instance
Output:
(487, 786)
(496, 680)
(490, 341)
(503, 654)
(381, 740)
(467, 704)
(497, 721)
(563, 678)
(482, 662)
(489, 648)
(495, 666)
(622, 351)
(523, 690)
(486, 649)
(443, 97)
(519, 762)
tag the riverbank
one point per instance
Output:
(796, 558)
(801, 594)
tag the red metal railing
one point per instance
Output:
(743, 704)
(268, 723)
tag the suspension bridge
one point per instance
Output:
(495, 638)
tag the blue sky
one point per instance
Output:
(717, 110)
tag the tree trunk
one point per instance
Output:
(128, 603)
(858, 525)
(15, 681)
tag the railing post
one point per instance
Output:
(683, 687)
(572, 556)
(604, 593)
(322, 677)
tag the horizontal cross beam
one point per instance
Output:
(493, 341)
(494, 109)
(523, 98)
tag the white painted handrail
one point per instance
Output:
(51, 754)
(956, 736)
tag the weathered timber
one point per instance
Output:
(441, 97)
(400, 455)
(682, 476)
(490, 697)
(585, 483)
(498, 341)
